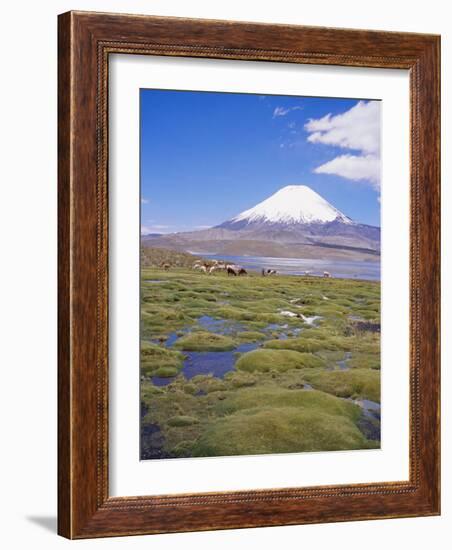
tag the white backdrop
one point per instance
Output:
(128, 476)
(28, 289)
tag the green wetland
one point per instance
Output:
(254, 365)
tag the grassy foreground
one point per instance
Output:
(289, 383)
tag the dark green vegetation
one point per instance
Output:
(205, 341)
(263, 360)
(288, 384)
(155, 257)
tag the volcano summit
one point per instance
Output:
(293, 222)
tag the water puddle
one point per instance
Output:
(151, 442)
(370, 408)
(154, 281)
(369, 423)
(219, 326)
(171, 339)
(214, 363)
(300, 386)
(205, 322)
(367, 326)
(343, 363)
(274, 327)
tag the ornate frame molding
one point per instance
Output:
(85, 42)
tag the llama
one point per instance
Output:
(235, 270)
(231, 270)
(217, 267)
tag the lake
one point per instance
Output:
(297, 266)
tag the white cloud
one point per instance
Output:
(353, 167)
(283, 111)
(157, 226)
(357, 129)
(144, 201)
(146, 229)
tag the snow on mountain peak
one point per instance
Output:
(293, 204)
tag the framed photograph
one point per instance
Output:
(248, 275)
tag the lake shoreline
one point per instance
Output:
(367, 271)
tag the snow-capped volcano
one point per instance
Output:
(292, 204)
(294, 222)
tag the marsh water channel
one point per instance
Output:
(218, 363)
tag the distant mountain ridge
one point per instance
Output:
(293, 222)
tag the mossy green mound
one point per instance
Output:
(278, 430)
(156, 358)
(355, 383)
(274, 396)
(308, 343)
(165, 372)
(265, 360)
(205, 341)
(208, 383)
(238, 379)
(250, 336)
(315, 340)
(181, 421)
(364, 361)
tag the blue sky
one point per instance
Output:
(207, 156)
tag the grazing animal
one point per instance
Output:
(326, 274)
(307, 273)
(205, 268)
(235, 270)
(231, 270)
(217, 267)
(165, 266)
(271, 271)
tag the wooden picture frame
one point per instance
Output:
(86, 40)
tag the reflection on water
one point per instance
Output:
(298, 266)
(214, 363)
